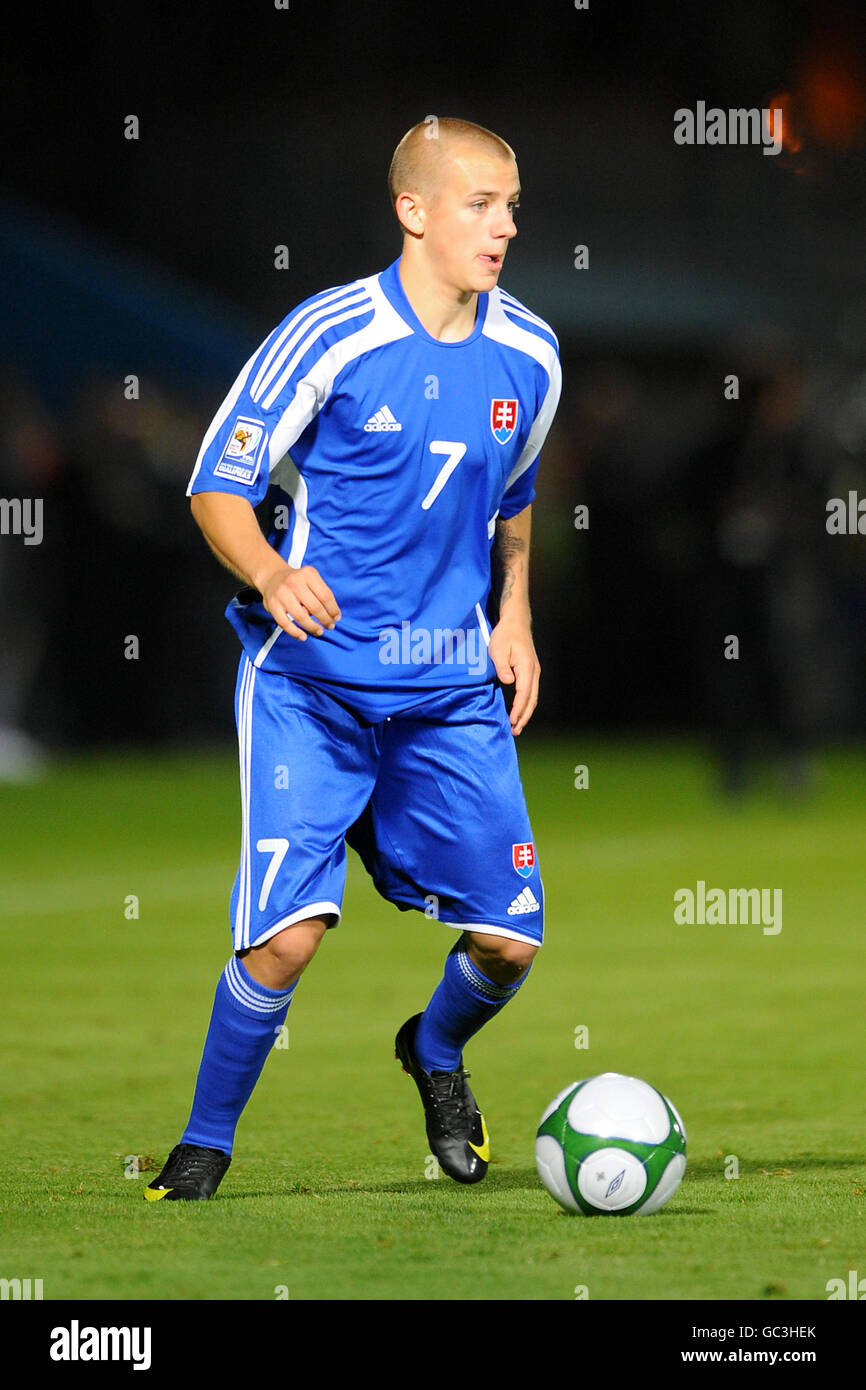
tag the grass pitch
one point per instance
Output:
(756, 1038)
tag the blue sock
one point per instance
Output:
(245, 1019)
(462, 1003)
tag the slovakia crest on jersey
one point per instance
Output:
(523, 858)
(503, 419)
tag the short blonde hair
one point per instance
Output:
(420, 158)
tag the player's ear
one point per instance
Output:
(410, 213)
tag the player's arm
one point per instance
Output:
(512, 649)
(295, 598)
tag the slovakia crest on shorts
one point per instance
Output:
(503, 418)
(523, 858)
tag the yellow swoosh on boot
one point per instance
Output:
(482, 1149)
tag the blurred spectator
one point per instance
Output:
(756, 504)
(139, 569)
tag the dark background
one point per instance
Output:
(261, 127)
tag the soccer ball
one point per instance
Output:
(611, 1145)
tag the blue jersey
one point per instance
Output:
(385, 457)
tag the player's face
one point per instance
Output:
(471, 221)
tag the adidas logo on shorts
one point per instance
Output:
(384, 419)
(524, 902)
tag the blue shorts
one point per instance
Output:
(431, 800)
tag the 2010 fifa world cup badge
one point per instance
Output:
(503, 419)
(240, 458)
(523, 858)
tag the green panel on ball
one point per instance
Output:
(557, 1123)
(676, 1140)
(580, 1146)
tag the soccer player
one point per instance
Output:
(392, 427)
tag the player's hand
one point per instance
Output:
(512, 652)
(300, 601)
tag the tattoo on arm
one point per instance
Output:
(509, 550)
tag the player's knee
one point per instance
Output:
(283, 957)
(500, 957)
(294, 947)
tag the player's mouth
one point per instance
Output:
(491, 262)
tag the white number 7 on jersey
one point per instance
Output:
(455, 452)
(277, 849)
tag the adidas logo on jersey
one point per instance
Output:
(384, 419)
(524, 902)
